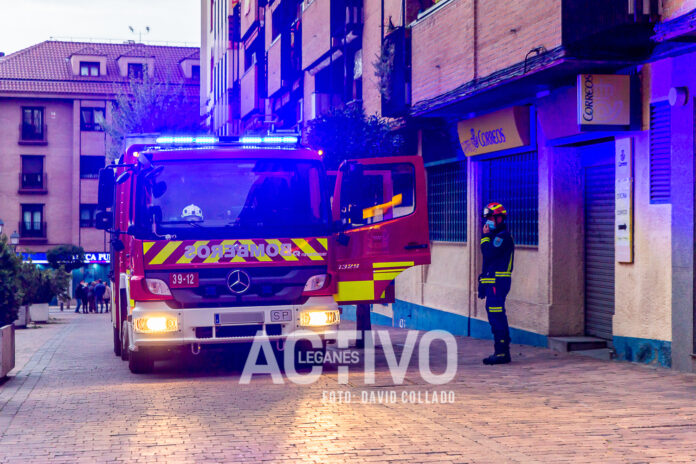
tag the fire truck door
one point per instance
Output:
(380, 211)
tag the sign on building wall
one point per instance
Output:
(501, 130)
(623, 223)
(604, 99)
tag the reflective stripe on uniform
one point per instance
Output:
(495, 309)
(485, 239)
(503, 274)
(487, 280)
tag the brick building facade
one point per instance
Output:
(53, 96)
(602, 252)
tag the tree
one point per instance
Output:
(344, 133)
(68, 257)
(147, 106)
(10, 294)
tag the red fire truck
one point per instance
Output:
(220, 241)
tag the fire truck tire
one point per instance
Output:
(117, 343)
(124, 342)
(140, 362)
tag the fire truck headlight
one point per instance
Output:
(157, 287)
(316, 282)
(319, 318)
(156, 324)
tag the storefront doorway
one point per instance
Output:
(599, 181)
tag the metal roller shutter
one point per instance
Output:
(599, 250)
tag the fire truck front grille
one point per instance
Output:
(236, 331)
(268, 286)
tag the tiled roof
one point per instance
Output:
(46, 67)
(193, 56)
(89, 50)
(138, 51)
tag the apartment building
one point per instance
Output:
(578, 116)
(53, 98)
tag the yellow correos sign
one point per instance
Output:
(501, 130)
(604, 99)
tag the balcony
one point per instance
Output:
(522, 37)
(249, 17)
(30, 134)
(32, 232)
(249, 94)
(33, 183)
(326, 24)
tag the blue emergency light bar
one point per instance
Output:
(271, 140)
(205, 139)
(209, 140)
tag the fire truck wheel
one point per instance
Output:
(140, 362)
(117, 343)
(124, 342)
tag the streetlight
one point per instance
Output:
(14, 240)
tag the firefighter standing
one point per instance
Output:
(498, 251)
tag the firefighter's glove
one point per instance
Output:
(481, 289)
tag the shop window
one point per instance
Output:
(660, 153)
(447, 199)
(514, 182)
(90, 166)
(87, 213)
(89, 68)
(92, 119)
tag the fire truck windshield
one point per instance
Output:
(232, 198)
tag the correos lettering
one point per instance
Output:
(492, 137)
(588, 109)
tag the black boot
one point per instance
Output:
(499, 358)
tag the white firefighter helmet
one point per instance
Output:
(192, 213)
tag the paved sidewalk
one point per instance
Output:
(74, 401)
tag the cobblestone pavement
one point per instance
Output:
(74, 401)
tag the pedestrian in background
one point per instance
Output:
(498, 251)
(99, 290)
(85, 297)
(90, 296)
(79, 295)
(107, 296)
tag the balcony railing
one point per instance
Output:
(250, 99)
(32, 230)
(35, 182)
(30, 134)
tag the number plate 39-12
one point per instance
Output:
(183, 279)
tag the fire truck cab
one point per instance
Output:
(216, 242)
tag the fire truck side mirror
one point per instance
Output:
(117, 245)
(104, 220)
(105, 192)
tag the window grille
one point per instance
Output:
(447, 201)
(514, 182)
(660, 153)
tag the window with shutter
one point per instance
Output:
(660, 153)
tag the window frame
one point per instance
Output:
(486, 177)
(92, 126)
(451, 200)
(32, 231)
(41, 124)
(90, 175)
(92, 210)
(24, 184)
(130, 71)
(87, 68)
